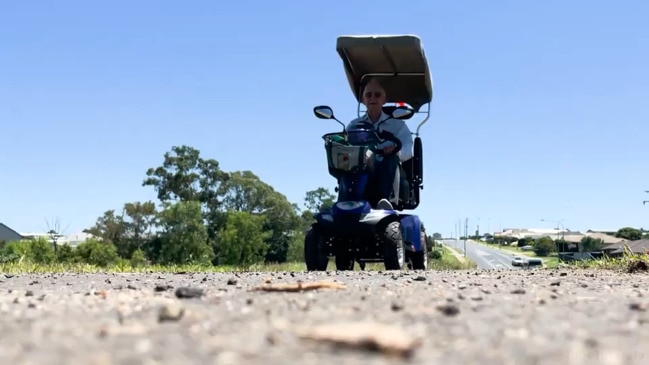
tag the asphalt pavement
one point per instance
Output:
(485, 257)
(381, 318)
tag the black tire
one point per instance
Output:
(420, 259)
(394, 256)
(344, 262)
(313, 255)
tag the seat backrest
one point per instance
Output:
(408, 168)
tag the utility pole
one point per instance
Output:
(645, 201)
(459, 232)
(559, 226)
(466, 232)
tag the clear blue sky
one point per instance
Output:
(540, 108)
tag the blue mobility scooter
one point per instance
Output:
(354, 230)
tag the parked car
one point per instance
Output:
(527, 261)
(519, 261)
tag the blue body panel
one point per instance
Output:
(356, 220)
(411, 228)
(353, 219)
(352, 187)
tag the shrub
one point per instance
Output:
(138, 258)
(65, 254)
(39, 251)
(543, 246)
(42, 251)
(97, 253)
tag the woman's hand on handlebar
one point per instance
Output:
(387, 136)
(388, 149)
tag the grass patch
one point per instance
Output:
(30, 267)
(551, 262)
(629, 262)
(447, 262)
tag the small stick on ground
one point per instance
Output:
(299, 286)
(385, 339)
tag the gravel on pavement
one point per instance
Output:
(450, 317)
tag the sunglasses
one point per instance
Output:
(377, 94)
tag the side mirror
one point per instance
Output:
(402, 112)
(323, 112)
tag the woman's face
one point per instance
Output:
(373, 97)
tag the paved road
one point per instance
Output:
(446, 317)
(485, 257)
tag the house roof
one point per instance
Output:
(576, 237)
(70, 238)
(528, 232)
(637, 246)
(6, 233)
(569, 236)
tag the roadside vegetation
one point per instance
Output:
(204, 219)
(546, 249)
(443, 258)
(629, 262)
(37, 256)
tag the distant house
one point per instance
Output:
(8, 235)
(73, 240)
(534, 233)
(610, 232)
(636, 247)
(573, 240)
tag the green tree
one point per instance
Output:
(42, 251)
(543, 246)
(296, 248)
(129, 231)
(39, 250)
(246, 192)
(138, 258)
(525, 241)
(242, 240)
(65, 254)
(591, 244)
(97, 253)
(185, 176)
(319, 199)
(184, 236)
(111, 228)
(141, 219)
(629, 233)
